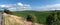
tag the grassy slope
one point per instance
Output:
(41, 15)
(11, 20)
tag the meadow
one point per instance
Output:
(40, 15)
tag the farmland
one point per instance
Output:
(40, 15)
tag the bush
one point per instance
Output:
(31, 17)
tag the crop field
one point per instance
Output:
(40, 15)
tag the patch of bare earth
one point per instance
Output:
(15, 20)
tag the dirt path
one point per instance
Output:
(15, 20)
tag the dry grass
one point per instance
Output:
(15, 20)
(11, 20)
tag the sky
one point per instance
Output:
(20, 5)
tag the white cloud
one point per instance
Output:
(21, 7)
(20, 4)
(5, 6)
(49, 7)
(12, 9)
(2, 5)
(17, 6)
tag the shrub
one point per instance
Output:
(31, 17)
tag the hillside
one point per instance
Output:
(15, 20)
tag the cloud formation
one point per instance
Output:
(16, 7)
(22, 7)
(49, 7)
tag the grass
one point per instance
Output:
(40, 15)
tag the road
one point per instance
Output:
(0, 18)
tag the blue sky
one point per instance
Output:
(33, 4)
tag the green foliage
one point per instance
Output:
(31, 17)
(53, 19)
(40, 15)
(0, 10)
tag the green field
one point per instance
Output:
(40, 15)
(0, 10)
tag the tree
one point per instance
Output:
(53, 19)
(31, 17)
(7, 11)
(49, 19)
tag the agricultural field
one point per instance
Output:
(40, 15)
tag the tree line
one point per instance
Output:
(53, 18)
